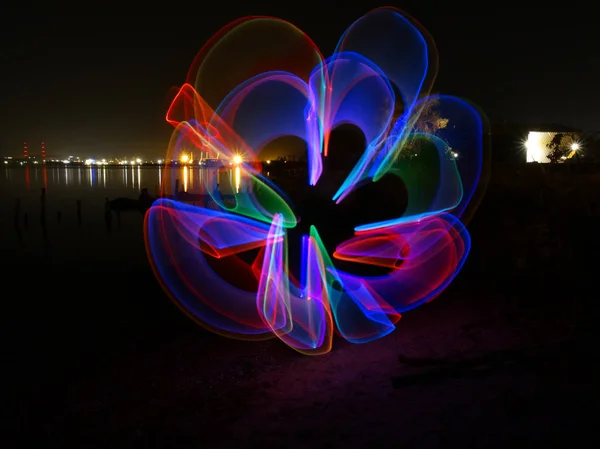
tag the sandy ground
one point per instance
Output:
(201, 391)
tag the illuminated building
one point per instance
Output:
(538, 143)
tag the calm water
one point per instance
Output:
(109, 181)
(91, 185)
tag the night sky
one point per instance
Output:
(96, 81)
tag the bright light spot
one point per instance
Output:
(89, 161)
(268, 162)
(160, 161)
(185, 158)
(536, 146)
(237, 159)
(132, 162)
(455, 155)
(138, 160)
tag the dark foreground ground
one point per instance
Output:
(98, 357)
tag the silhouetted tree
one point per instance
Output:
(430, 119)
(559, 147)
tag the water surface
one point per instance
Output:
(91, 186)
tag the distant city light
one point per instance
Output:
(237, 159)
(103, 161)
(575, 146)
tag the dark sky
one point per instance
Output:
(96, 81)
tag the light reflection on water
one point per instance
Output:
(126, 180)
(65, 186)
(92, 185)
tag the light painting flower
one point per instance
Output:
(261, 78)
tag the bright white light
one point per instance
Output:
(138, 160)
(237, 159)
(185, 158)
(536, 148)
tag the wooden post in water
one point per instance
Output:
(79, 213)
(43, 208)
